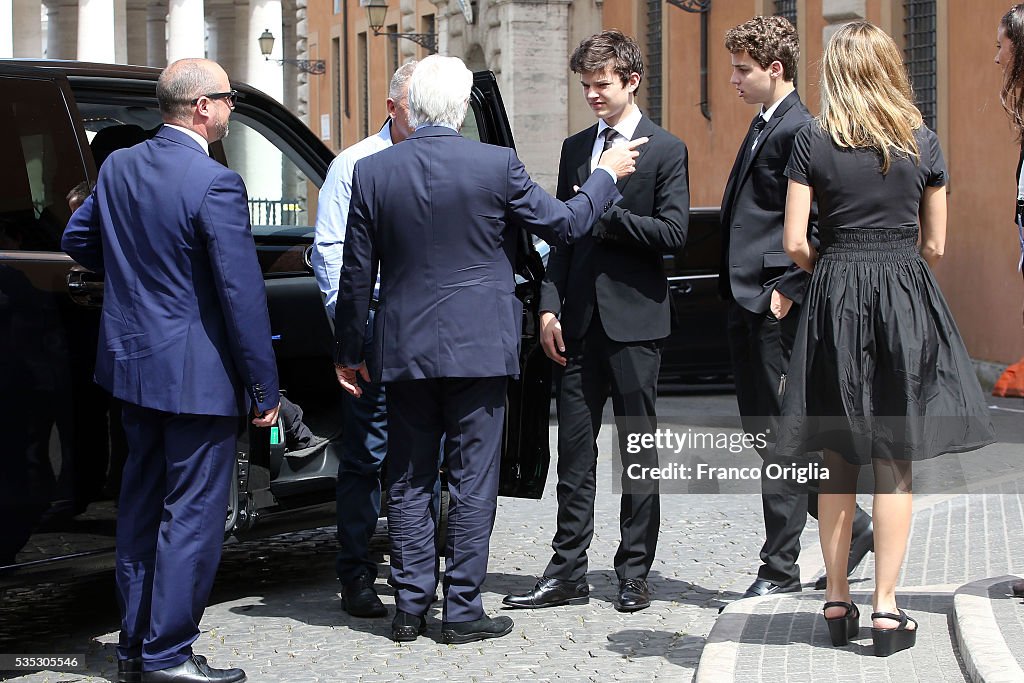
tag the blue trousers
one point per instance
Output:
(364, 445)
(470, 414)
(170, 528)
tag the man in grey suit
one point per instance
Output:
(439, 215)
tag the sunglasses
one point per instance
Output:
(231, 96)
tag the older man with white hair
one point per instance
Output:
(439, 217)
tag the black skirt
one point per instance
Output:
(878, 368)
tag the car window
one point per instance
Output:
(471, 126)
(702, 253)
(42, 163)
(279, 190)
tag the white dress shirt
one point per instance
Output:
(626, 127)
(332, 215)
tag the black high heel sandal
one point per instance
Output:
(890, 640)
(841, 629)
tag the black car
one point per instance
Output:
(63, 447)
(697, 350)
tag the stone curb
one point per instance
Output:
(718, 658)
(985, 653)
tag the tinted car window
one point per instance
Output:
(39, 147)
(278, 188)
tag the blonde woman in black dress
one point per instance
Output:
(879, 374)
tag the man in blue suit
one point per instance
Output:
(185, 344)
(440, 216)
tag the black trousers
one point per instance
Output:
(596, 368)
(760, 345)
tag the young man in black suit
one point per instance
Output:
(605, 310)
(764, 287)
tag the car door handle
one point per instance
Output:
(81, 287)
(682, 287)
(85, 287)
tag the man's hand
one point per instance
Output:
(780, 304)
(551, 337)
(267, 419)
(621, 159)
(348, 378)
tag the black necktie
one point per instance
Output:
(609, 139)
(756, 126)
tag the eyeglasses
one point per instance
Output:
(231, 96)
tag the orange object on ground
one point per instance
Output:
(1011, 382)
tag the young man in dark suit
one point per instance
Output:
(605, 309)
(764, 287)
(185, 345)
(439, 215)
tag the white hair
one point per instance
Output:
(400, 79)
(439, 92)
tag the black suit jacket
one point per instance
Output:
(618, 268)
(753, 214)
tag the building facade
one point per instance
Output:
(526, 43)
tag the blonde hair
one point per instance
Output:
(866, 98)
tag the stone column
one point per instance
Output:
(96, 37)
(156, 35)
(61, 29)
(526, 38)
(21, 28)
(839, 12)
(260, 166)
(137, 40)
(221, 37)
(6, 28)
(186, 29)
(120, 31)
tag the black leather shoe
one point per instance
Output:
(634, 595)
(129, 670)
(551, 593)
(859, 547)
(472, 631)
(193, 670)
(406, 627)
(359, 599)
(766, 587)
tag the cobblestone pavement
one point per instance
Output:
(276, 611)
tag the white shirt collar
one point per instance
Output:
(194, 135)
(385, 133)
(767, 114)
(626, 126)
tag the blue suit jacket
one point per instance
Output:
(441, 214)
(184, 326)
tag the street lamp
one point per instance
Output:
(266, 41)
(376, 15)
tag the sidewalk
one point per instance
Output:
(957, 544)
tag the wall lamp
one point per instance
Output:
(314, 66)
(376, 15)
(702, 7)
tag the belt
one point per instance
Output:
(373, 304)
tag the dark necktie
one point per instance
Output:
(609, 139)
(756, 126)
